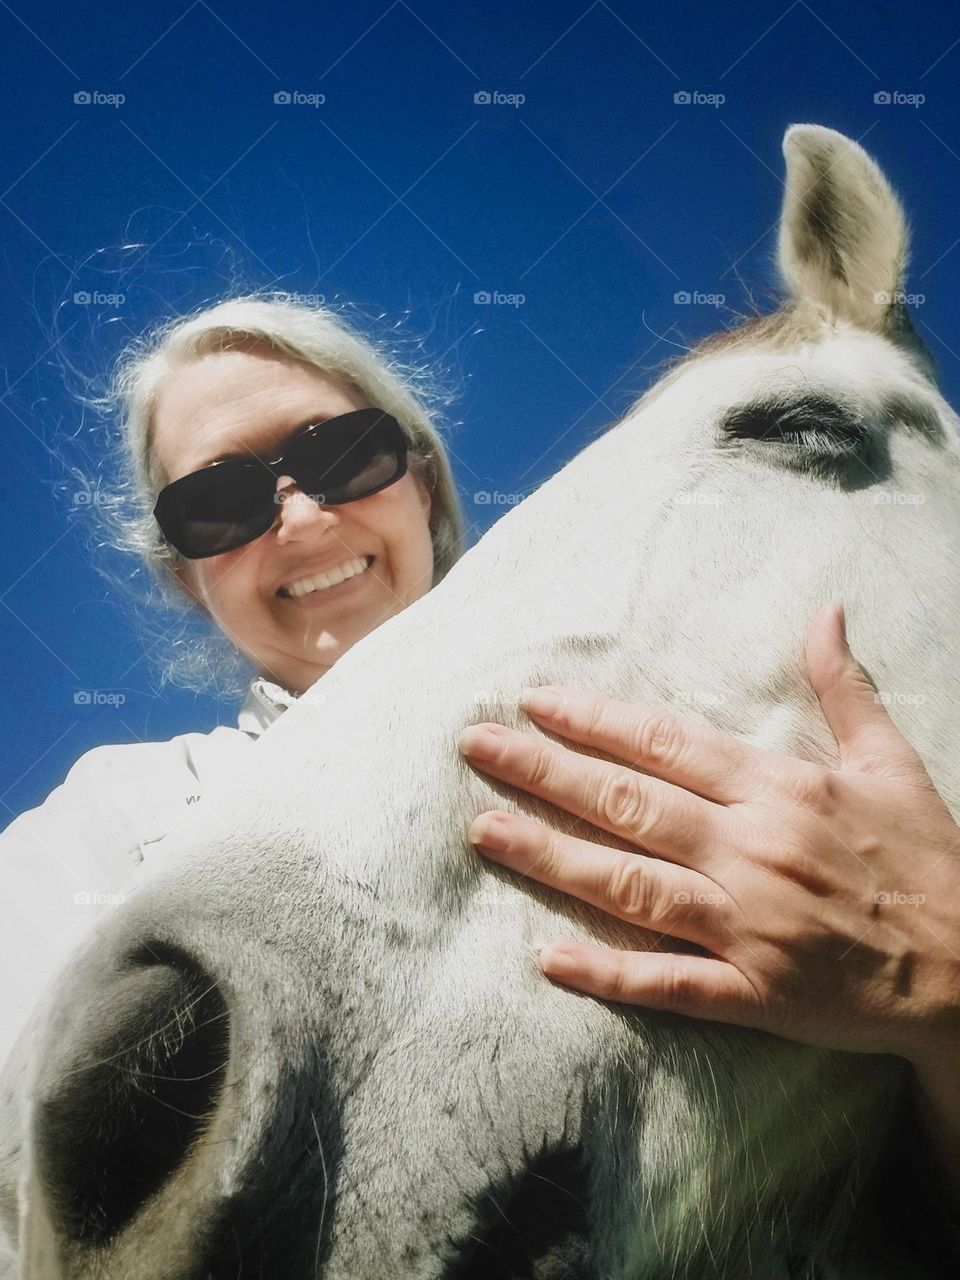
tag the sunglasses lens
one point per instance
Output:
(350, 460)
(217, 510)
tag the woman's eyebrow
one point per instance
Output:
(273, 450)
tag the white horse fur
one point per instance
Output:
(396, 1064)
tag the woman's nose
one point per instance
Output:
(299, 512)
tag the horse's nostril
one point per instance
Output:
(536, 1229)
(132, 1093)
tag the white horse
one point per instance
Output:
(316, 1041)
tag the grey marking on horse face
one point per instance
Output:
(822, 437)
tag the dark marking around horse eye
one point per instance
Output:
(815, 423)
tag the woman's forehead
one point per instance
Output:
(225, 403)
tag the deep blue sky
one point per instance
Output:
(598, 198)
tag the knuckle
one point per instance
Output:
(631, 892)
(660, 739)
(677, 988)
(815, 789)
(611, 979)
(598, 716)
(621, 802)
(540, 767)
(545, 860)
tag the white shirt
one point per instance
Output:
(62, 864)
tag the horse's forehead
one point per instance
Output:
(859, 369)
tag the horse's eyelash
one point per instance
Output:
(791, 421)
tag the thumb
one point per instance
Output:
(861, 724)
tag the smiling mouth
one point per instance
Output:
(326, 581)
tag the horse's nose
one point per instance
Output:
(133, 1068)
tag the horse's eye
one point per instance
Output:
(814, 422)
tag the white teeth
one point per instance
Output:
(320, 582)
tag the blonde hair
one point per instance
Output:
(206, 660)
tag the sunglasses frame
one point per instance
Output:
(166, 509)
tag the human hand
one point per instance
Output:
(828, 899)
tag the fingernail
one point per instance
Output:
(546, 699)
(490, 832)
(481, 742)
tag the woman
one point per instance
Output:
(294, 578)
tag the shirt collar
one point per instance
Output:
(264, 703)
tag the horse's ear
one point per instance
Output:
(843, 236)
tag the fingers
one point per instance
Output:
(643, 891)
(640, 809)
(696, 986)
(697, 757)
(865, 733)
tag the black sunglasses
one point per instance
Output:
(230, 503)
